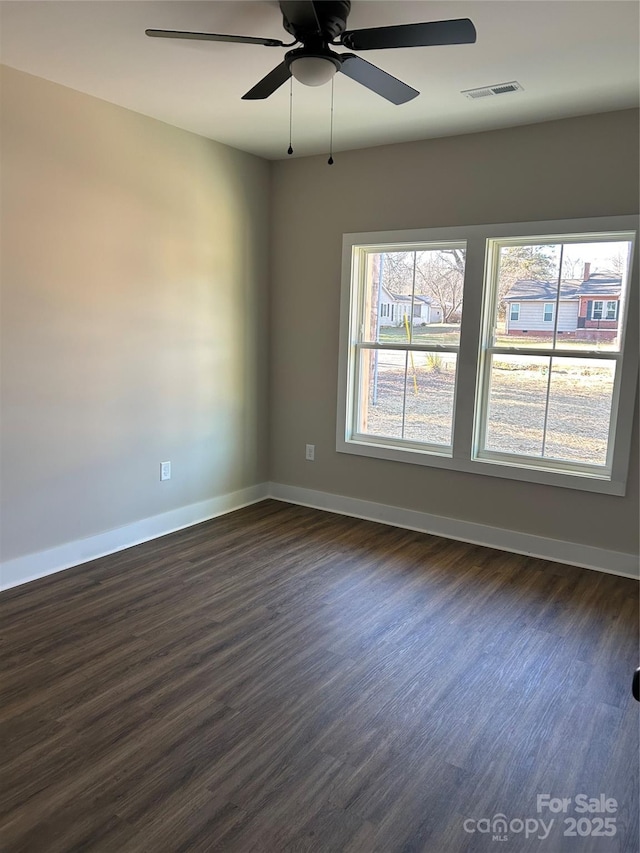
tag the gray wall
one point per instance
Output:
(565, 169)
(135, 310)
(134, 275)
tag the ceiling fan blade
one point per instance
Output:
(177, 34)
(376, 79)
(269, 84)
(459, 31)
(302, 14)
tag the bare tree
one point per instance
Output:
(442, 279)
(572, 267)
(439, 273)
(397, 272)
(618, 262)
(455, 258)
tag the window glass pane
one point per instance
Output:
(414, 296)
(580, 396)
(591, 300)
(576, 425)
(392, 284)
(431, 380)
(382, 383)
(516, 405)
(600, 271)
(407, 395)
(528, 278)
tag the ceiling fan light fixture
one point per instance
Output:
(317, 24)
(313, 70)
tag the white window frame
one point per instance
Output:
(404, 315)
(515, 319)
(615, 309)
(546, 319)
(464, 455)
(599, 302)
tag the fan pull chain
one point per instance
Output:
(290, 148)
(330, 160)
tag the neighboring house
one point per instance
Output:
(393, 308)
(599, 298)
(587, 307)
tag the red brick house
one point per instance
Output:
(599, 306)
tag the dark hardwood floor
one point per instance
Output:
(284, 679)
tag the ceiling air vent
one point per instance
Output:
(489, 91)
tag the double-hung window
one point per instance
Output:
(521, 384)
(405, 363)
(547, 401)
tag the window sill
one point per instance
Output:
(485, 467)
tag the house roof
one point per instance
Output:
(601, 284)
(598, 284)
(546, 291)
(406, 298)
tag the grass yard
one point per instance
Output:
(440, 333)
(448, 334)
(541, 342)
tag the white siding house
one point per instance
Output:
(526, 316)
(393, 308)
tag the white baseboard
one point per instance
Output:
(33, 566)
(585, 556)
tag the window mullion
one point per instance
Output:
(466, 363)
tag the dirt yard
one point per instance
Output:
(577, 419)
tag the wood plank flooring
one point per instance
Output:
(284, 679)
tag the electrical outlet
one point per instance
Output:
(165, 470)
(310, 453)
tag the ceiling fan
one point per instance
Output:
(319, 25)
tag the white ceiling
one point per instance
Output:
(572, 57)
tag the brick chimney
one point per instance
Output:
(587, 272)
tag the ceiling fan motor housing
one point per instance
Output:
(332, 16)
